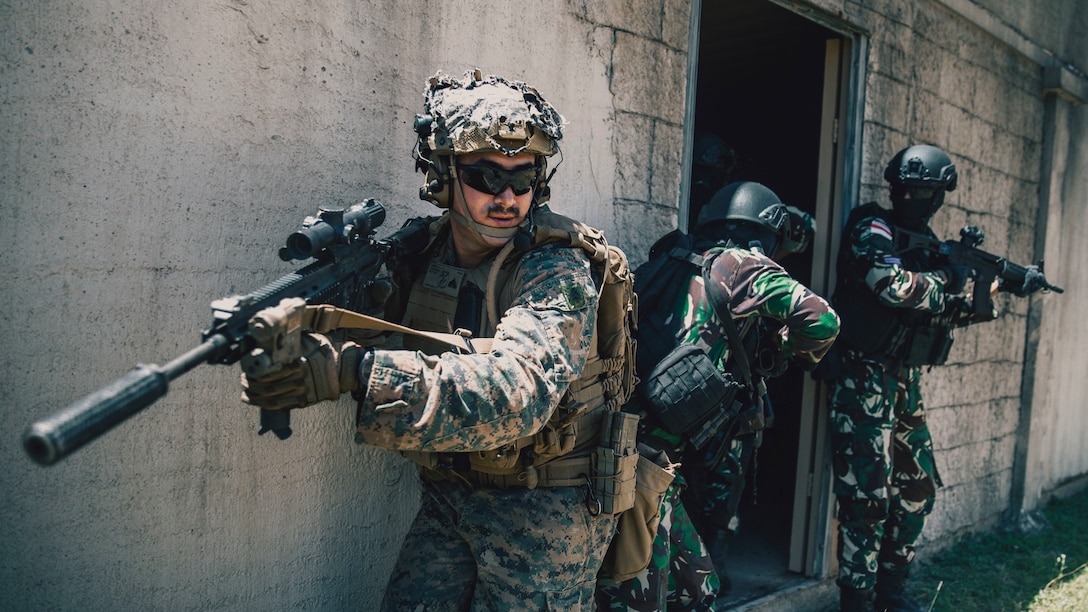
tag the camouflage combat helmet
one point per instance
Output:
(919, 176)
(474, 114)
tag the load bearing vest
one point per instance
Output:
(558, 454)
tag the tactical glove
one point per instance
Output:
(324, 372)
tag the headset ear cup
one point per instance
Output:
(436, 183)
(541, 192)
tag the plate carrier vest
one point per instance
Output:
(561, 453)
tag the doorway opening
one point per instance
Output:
(780, 89)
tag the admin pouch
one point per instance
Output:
(631, 548)
(685, 389)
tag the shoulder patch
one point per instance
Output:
(880, 228)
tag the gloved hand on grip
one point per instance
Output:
(324, 372)
(955, 278)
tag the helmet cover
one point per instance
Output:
(489, 113)
(477, 114)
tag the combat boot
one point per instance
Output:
(891, 594)
(855, 600)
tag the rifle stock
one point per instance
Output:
(346, 252)
(1016, 279)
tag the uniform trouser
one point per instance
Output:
(680, 575)
(714, 493)
(885, 475)
(500, 549)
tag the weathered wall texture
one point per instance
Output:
(1060, 425)
(644, 45)
(154, 156)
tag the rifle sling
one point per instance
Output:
(324, 318)
(721, 308)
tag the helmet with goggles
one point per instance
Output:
(919, 176)
(475, 114)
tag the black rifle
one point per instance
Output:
(347, 260)
(1018, 280)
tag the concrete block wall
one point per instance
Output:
(154, 155)
(644, 44)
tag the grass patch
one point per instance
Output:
(1041, 571)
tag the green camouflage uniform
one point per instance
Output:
(754, 286)
(485, 548)
(885, 475)
(681, 574)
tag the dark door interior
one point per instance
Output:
(759, 86)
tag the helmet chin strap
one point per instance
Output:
(465, 220)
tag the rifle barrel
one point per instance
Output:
(51, 439)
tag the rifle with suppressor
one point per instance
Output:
(1018, 280)
(348, 258)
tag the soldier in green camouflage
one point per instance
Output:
(682, 575)
(898, 310)
(509, 518)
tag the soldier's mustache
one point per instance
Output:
(499, 208)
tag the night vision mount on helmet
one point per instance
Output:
(922, 166)
(919, 176)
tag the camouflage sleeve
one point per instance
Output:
(455, 403)
(757, 285)
(882, 271)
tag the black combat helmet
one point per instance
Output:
(713, 164)
(919, 176)
(745, 212)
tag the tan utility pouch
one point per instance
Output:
(614, 462)
(631, 548)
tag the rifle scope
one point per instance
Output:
(331, 227)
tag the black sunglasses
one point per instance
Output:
(493, 180)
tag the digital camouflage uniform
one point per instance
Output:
(884, 470)
(754, 286)
(483, 548)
